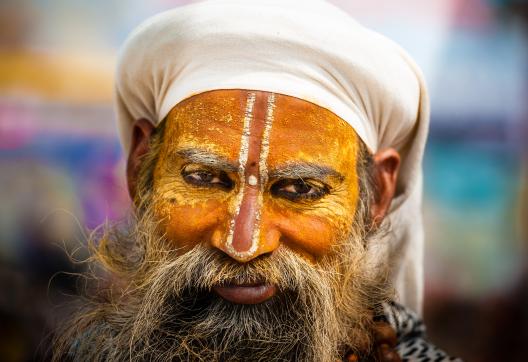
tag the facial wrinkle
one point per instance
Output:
(246, 231)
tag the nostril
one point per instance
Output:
(242, 258)
(226, 255)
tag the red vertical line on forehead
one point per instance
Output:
(263, 165)
(246, 220)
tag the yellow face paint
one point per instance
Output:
(247, 171)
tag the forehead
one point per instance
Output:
(300, 131)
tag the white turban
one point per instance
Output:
(307, 49)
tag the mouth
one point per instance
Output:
(246, 293)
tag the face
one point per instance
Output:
(249, 172)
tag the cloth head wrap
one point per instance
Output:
(307, 49)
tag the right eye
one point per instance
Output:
(207, 178)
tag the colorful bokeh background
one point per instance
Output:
(62, 169)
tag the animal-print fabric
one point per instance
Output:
(410, 331)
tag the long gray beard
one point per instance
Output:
(162, 308)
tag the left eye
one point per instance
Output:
(298, 189)
(207, 178)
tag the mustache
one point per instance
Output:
(202, 268)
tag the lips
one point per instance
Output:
(251, 293)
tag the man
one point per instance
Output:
(274, 155)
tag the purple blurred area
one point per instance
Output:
(62, 169)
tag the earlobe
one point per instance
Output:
(139, 146)
(386, 167)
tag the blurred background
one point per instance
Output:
(62, 170)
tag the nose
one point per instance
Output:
(247, 237)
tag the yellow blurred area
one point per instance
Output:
(69, 77)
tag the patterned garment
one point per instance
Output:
(410, 331)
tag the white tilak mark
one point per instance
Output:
(263, 167)
(242, 161)
(252, 180)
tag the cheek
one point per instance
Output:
(312, 234)
(190, 224)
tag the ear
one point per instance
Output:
(386, 166)
(139, 147)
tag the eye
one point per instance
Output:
(299, 189)
(206, 178)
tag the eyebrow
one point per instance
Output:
(207, 158)
(305, 170)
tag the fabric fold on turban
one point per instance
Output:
(310, 50)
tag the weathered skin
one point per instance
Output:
(249, 210)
